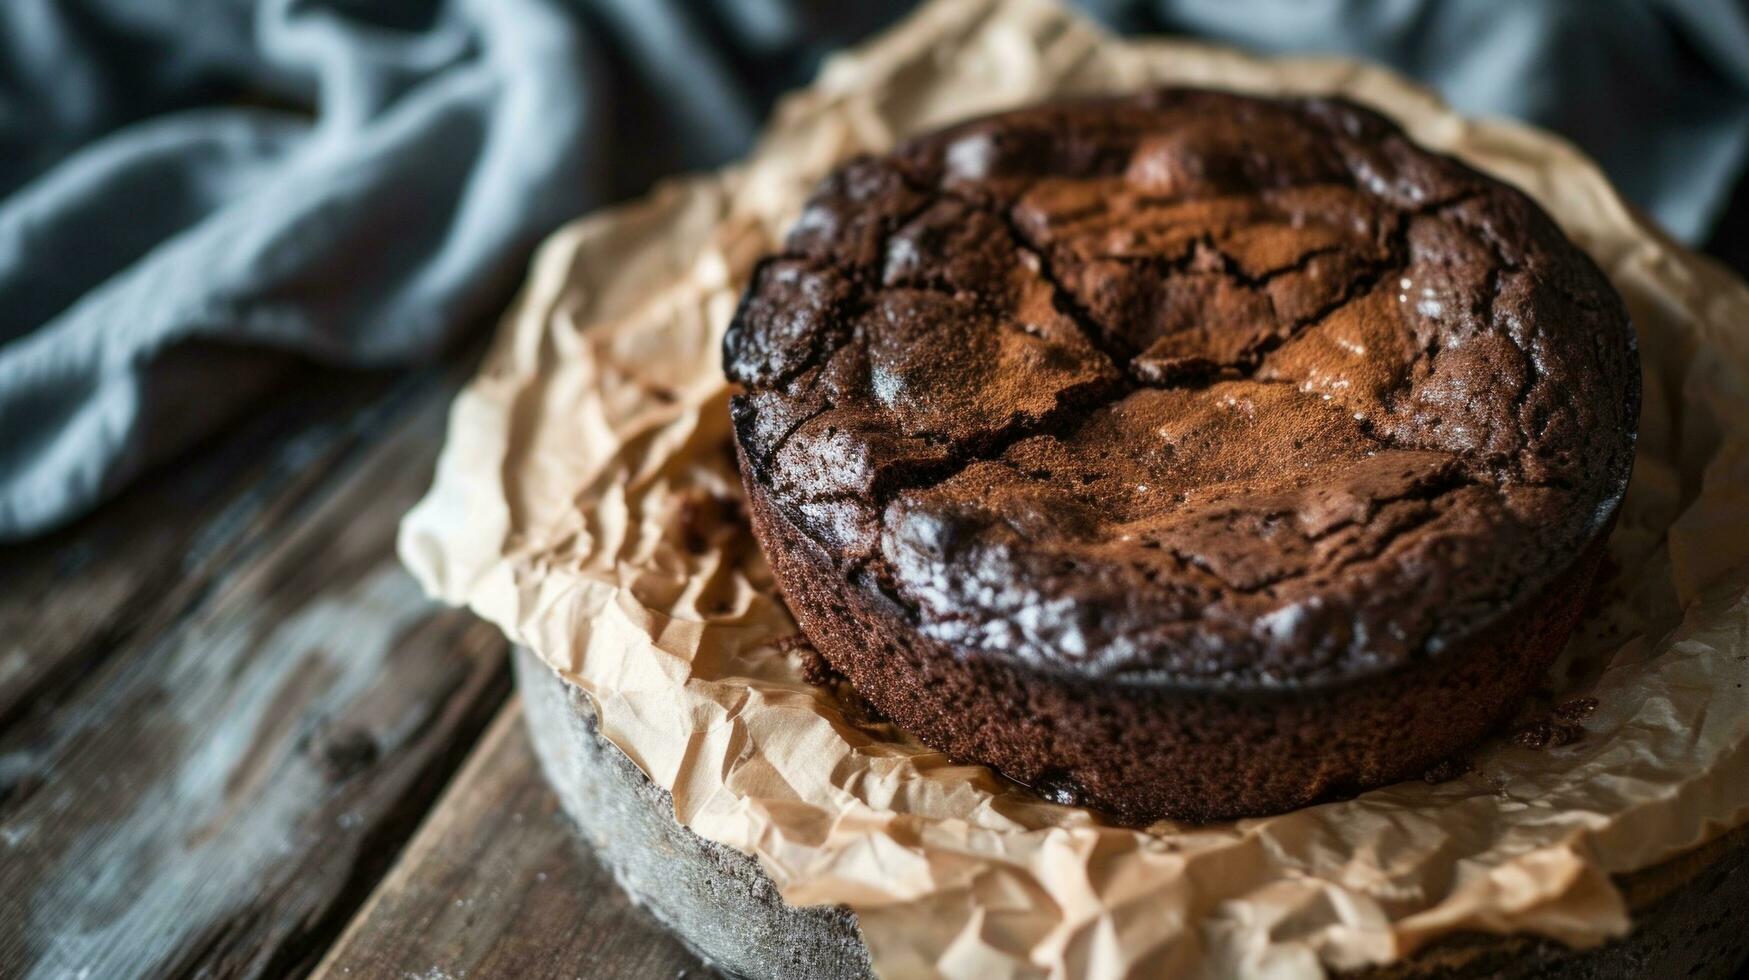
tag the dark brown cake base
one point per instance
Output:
(720, 904)
(1135, 750)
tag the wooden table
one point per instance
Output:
(236, 741)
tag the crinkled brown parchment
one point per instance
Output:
(587, 503)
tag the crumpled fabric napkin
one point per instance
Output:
(190, 190)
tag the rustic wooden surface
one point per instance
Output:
(226, 715)
(497, 883)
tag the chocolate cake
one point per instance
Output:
(1187, 454)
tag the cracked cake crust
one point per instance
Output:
(1178, 395)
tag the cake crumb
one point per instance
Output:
(707, 520)
(1447, 770)
(1576, 710)
(1553, 726)
(815, 669)
(1547, 735)
(1058, 787)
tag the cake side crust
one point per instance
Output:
(1141, 752)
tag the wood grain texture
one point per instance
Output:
(229, 706)
(71, 600)
(499, 884)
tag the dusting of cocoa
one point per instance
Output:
(1191, 347)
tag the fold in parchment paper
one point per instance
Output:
(587, 503)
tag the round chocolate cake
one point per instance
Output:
(1183, 455)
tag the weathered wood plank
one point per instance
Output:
(498, 883)
(260, 729)
(72, 599)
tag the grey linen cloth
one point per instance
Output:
(194, 192)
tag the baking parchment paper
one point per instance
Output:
(586, 502)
